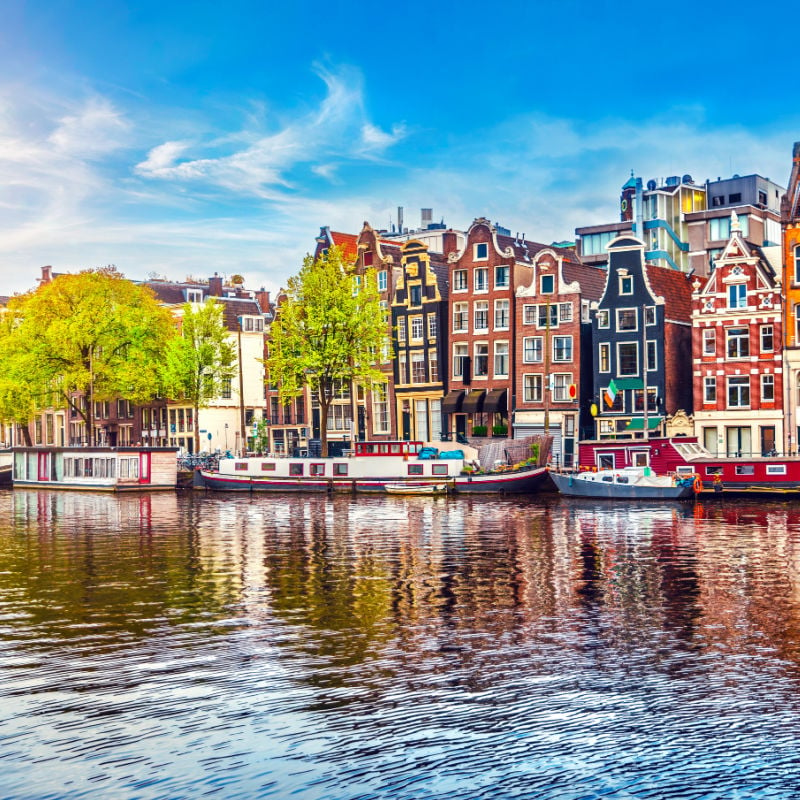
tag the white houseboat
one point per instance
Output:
(113, 469)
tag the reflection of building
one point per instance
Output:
(737, 352)
(642, 342)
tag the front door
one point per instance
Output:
(768, 440)
(44, 466)
(144, 467)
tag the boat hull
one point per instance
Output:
(574, 486)
(517, 482)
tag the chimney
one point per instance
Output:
(47, 275)
(215, 286)
(449, 242)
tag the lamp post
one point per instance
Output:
(226, 435)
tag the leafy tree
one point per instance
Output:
(93, 334)
(200, 359)
(328, 332)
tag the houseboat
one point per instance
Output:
(112, 469)
(684, 456)
(370, 467)
(627, 483)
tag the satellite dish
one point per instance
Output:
(651, 185)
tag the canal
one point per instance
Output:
(191, 645)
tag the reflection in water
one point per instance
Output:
(180, 645)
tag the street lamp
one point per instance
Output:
(226, 435)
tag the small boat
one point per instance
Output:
(415, 488)
(628, 483)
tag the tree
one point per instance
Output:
(200, 360)
(94, 335)
(327, 332)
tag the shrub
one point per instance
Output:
(499, 430)
(479, 430)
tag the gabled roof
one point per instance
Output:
(348, 242)
(675, 288)
(591, 279)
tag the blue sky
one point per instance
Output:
(189, 138)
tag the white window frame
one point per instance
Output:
(566, 343)
(710, 390)
(532, 387)
(460, 354)
(536, 346)
(475, 356)
(626, 280)
(480, 279)
(502, 308)
(480, 309)
(480, 251)
(417, 328)
(603, 318)
(461, 317)
(383, 280)
(501, 355)
(460, 280)
(560, 383)
(619, 360)
(741, 385)
(709, 341)
(620, 312)
(607, 347)
(502, 270)
(767, 378)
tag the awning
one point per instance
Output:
(495, 401)
(452, 401)
(628, 383)
(473, 402)
(637, 423)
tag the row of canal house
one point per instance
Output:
(499, 336)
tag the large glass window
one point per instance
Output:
(501, 359)
(532, 350)
(481, 315)
(719, 229)
(481, 362)
(739, 391)
(737, 295)
(562, 348)
(738, 343)
(709, 341)
(532, 388)
(501, 314)
(628, 358)
(460, 317)
(460, 356)
(626, 319)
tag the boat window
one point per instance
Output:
(607, 479)
(340, 469)
(295, 469)
(745, 469)
(316, 469)
(396, 448)
(240, 466)
(776, 469)
(268, 466)
(415, 469)
(622, 479)
(713, 470)
(440, 469)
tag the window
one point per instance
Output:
(768, 388)
(402, 368)
(356, 284)
(501, 277)
(481, 279)
(460, 317)
(368, 257)
(480, 251)
(418, 371)
(530, 314)
(226, 388)
(604, 357)
(562, 348)
(501, 317)
(416, 295)
(650, 315)
(459, 280)
(593, 244)
(481, 315)
(638, 400)
(625, 284)
(797, 266)
(501, 359)
(542, 316)
(735, 198)
(739, 391)
(460, 356)
(738, 343)
(532, 388)
(561, 384)
(433, 366)
(532, 350)
(719, 229)
(416, 328)
(481, 360)
(627, 319)
(433, 327)
(767, 339)
(401, 329)
(602, 318)
(383, 280)
(709, 341)
(194, 295)
(547, 284)
(317, 469)
(565, 312)
(652, 356)
(628, 358)
(718, 201)
(737, 295)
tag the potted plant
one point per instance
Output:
(499, 430)
(479, 430)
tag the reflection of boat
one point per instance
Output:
(96, 468)
(629, 483)
(416, 488)
(369, 469)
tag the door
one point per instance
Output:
(144, 467)
(768, 440)
(44, 466)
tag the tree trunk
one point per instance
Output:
(26, 435)
(196, 421)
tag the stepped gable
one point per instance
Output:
(676, 289)
(592, 280)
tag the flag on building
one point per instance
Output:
(611, 393)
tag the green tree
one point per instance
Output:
(200, 359)
(93, 334)
(328, 332)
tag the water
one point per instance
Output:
(187, 646)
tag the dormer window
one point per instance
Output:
(481, 251)
(368, 259)
(547, 284)
(194, 295)
(626, 284)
